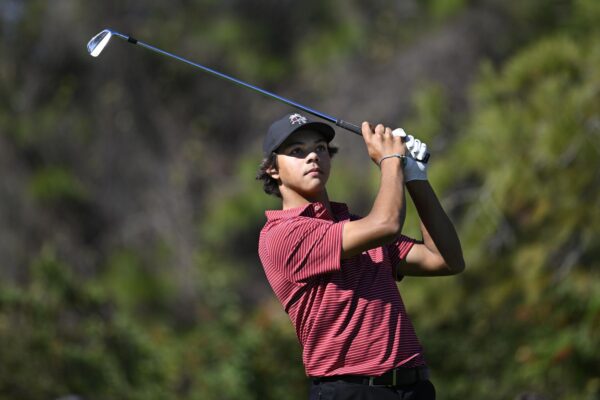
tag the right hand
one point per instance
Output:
(380, 142)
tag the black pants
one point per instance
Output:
(339, 390)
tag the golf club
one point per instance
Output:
(100, 41)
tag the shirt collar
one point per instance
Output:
(313, 210)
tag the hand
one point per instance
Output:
(380, 142)
(414, 170)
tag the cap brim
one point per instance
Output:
(320, 127)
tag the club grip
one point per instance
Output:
(357, 129)
(348, 126)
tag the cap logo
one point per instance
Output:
(297, 119)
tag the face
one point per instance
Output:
(303, 165)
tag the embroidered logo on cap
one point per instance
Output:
(297, 119)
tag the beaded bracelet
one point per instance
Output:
(400, 156)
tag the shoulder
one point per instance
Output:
(284, 227)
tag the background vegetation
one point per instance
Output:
(129, 213)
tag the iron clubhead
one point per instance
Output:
(99, 42)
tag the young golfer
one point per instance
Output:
(335, 273)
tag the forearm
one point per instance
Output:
(439, 234)
(386, 218)
(389, 205)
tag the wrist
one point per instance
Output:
(415, 171)
(400, 157)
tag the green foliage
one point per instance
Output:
(241, 212)
(56, 184)
(86, 310)
(61, 336)
(134, 288)
(432, 109)
(442, 9)
(526, 171)
(243, 359)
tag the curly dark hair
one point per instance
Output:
(270, 185)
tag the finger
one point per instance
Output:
(366, 129)
(399, 132)
(422, 151)
(410, 141)
(415, 148)
(380, 129)
(388, 131)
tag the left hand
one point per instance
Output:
(414, 170)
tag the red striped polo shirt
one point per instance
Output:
(348, 314)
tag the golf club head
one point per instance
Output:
(98, 42)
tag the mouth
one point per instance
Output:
(313, 171)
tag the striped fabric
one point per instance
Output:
(348, 314)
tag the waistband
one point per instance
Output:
(395, 377)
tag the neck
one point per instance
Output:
(292, 199)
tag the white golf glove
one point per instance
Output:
(413, 170)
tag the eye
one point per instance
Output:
(320, 148)
(295, 151)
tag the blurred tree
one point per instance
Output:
(525, 176)
(129, 215)
(60, 337)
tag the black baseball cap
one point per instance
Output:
(290, 123)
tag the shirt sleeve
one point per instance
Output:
(304, 248)
(398, 251)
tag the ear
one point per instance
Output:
(273, 173)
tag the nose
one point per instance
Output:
(312, 157)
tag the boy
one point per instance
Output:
(335, 274)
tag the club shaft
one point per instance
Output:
(341, 123)
(97, 43)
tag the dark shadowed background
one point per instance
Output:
(129, 212)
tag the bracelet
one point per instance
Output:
(400, 156)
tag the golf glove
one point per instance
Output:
(413, 170)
